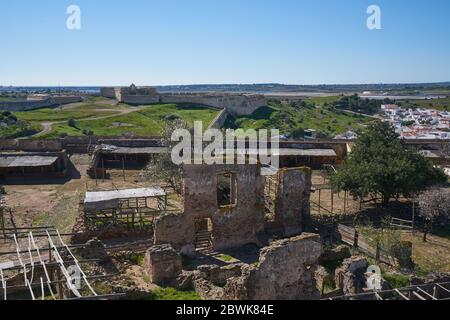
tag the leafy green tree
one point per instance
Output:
(72, 123)
(380, 165)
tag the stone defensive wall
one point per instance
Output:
(15, 106)
(236, 105)
(82, 144)
(74, 144)
(139, 99)
(219, 120)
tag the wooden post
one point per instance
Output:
(413, 215)
(320, 192)
(2, 221)
(345, 204)
(356, 239)
(378, 253)
(103, 168)
(123, 168)
(332, 201)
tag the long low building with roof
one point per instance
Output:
(42, 165)
(116, 157)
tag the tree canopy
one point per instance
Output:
(357, 104)
(380, 165)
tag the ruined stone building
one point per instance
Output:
(224, 208)
(238, 219)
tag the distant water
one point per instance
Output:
(51, 89)
(411, 97)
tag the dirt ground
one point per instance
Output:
(430, 256)
(328, 204)
(56, 204)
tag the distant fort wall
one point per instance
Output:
(219, 120)
(234, 104)
(15, 106)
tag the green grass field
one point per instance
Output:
(438, 104)
(287, 118)
(21, 129)
(145, 122)
(48, 114)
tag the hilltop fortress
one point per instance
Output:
(234, 104)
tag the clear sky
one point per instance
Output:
(157, 42)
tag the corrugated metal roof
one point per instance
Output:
(103, 200)
(308, 152)
(289, 152)
(26, 161)
(127, 150)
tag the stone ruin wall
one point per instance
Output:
(234, 225)
(236, 105)
(292, 203)
(242, 223)
(285, 271)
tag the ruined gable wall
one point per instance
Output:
(292, 201)
(285, 271)
(234, 225)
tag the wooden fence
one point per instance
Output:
(352, 237)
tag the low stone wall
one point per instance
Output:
(163, 264)
(219, 121)
(236, 105)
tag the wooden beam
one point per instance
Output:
(426, 293)
(401, 294)
(418, 296)
(443, 288)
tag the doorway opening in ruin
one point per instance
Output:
(226, 189)
(203, 234)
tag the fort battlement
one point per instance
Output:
(234, 104)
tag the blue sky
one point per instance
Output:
(157, 42)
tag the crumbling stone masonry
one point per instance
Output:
(292, 208)
(243, 220)
(351, 276)
(285, 271)
(163, 264)
(234, 225)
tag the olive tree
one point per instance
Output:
(161, 167)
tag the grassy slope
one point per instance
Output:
(287, 118)
(438, 104)
(47, 114)
(20, 130)
(146, 122)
